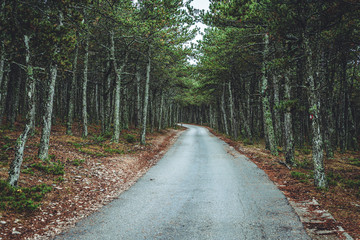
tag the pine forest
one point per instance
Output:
(95, 80)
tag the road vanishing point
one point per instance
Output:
(201, 189)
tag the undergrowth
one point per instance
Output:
(21, 199)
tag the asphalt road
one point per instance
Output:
(201, 189)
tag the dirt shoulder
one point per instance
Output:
(326, 214)
(96, 172)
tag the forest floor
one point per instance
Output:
(80, 176)
(341, 199)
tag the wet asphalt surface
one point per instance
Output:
(201, 189)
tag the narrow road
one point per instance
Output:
(201, 189)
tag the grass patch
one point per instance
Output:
(304, 164)
(130, 138)
(21, 199)
(116, 151)
(97, 154)
(77, 162)
(55, 168)
(303, 177)
(355, 162)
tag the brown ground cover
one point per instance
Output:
(341, 199)
(95, 172)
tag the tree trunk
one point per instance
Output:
(2, 65)
(84, 89)
(268, 122)
(15, 100)
(277, 118)
(161, 110)
(14, 171)
(289, 137)
(3, 93)
(225, 126)
(137, 104)
(146, 99)
(314, 100)
(46, 130)
(107, 98)
(72, 93)
(118, 73)
(232, 115)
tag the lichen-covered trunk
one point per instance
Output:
(137, 104)
(117, 98)
(277, 118)
(2, 65)
(107, 98)
(268, 122)
(3, 93)
(314, 101)
(46, 128)
(245, 121)
(71, 107)
(146, 99)
(343, 108)
(288, 127)
(161, 110)
(223, 112)
(15, 100)
(14, 171)
(84, 90)
(232, 114)
(327, 79)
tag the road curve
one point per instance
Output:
(201, 189)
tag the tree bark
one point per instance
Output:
(146, 99)
(314, 100)
(226, 129)
(14, 171)
(137, 104)
(84, 90)
(232, 115)
(161, 110)
(268, 122)
(118, 73)
(72, 93)
(289, 136)
(46, 129)
(277, 118)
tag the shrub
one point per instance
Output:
(77, 162)
(21, 199)
(111, 150)
(56, 168)
(130, 138)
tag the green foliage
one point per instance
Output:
(284, 104)
(354, 161)
(98, 154)
(22, 199)
(59, 179)
(111, 150)
(334, 178)
(99, 138)
(247, 141)
(130, 138)
(55, 168)
(77, 162)
(300, 176)
(352, 183)
(28, 171)
(77, 145)
(305, 163)
(305, 150)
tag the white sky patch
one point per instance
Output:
(201, 5)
